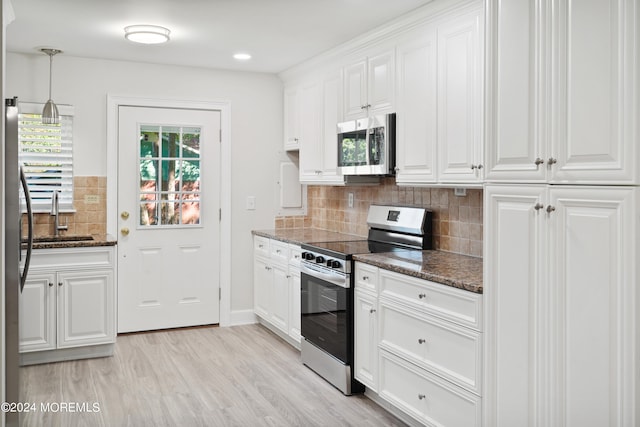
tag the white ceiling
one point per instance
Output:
(204, 33)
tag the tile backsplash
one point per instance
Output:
(457, 220)
(90, 203)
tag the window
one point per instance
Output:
(46, 151)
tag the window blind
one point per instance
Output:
(46, 152)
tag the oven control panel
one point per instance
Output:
(326, 261)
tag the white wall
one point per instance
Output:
(256, 128)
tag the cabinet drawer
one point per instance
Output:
(72, 258)
(426, 397)
(261, 246)
(446, 302)
(279, 252)
(448, 350)
(366, 277)
(295, 255)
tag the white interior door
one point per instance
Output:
(168, 218)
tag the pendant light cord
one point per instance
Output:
(50, 72)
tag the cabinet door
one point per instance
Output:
(515, 138)
(294, 304)
(381, 83)
(291, 119)
(417, 105)
(310, 133)
(355, 91)
(38, 313)
(515, 306)
(279, 312)
(262, 285)
(594, 88)
(331, 115)
(86, 308)
(460, 99)
(366, 344)
(594, 345)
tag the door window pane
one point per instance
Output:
(169, 175)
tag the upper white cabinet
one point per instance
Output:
(416, 119)
(292, 118)
(320, 112)
(562, 91)
(369, 86)
(459, 124)
(439, 101)
(560, 301)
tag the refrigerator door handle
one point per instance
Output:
(27, 196)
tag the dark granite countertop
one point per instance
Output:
(458, 271)
(298, 236)
(70, 241)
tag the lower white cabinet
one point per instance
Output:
(419, 346)
(561, 302)
(276, 287)
(68, 301)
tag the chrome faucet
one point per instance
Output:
(55, 211)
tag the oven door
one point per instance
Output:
(326, 318)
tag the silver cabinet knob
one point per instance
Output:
(538, 161)
(552, 161)
(373, 310)
(422, 296)
(538, 206)
(397, 169)
(50, 284)
(421, 341)
(365, 278)
(550, 209)
(422, 396)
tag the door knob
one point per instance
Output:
(124, 231)
(124, 215)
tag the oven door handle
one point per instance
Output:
(335, 278)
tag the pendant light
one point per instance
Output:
(50, 115)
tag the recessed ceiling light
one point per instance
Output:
(242, 56)
(147, 34)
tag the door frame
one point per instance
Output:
(224, 107)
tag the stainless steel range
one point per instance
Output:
(327, 297)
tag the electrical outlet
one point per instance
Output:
(251, 203)
(91, 199)
(461, 192)
(350, 200)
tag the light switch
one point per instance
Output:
(251, 203)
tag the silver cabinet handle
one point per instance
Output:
(538, 206)
(476, 167)
(422, 296)
(550, 209)
(552, 161)
(421, 341)
(538, 161)
(373, 310)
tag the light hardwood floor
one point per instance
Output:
(236, 376)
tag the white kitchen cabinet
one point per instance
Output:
(419, 345)
(292, 118)
(416, 120)
(440, 101)
(320, 109)
(560, 295)
(369, 86)
(276, 286)
(38, 313)
(68, 302)
(561, 89)
(460, 77)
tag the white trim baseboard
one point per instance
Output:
(242, 317)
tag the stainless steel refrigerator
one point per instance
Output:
(14, 278)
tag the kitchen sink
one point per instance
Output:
(66, 238)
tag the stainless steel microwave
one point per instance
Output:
(367, 146)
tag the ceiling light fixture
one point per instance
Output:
(50, 115)
(147, 34)
(242, 56)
